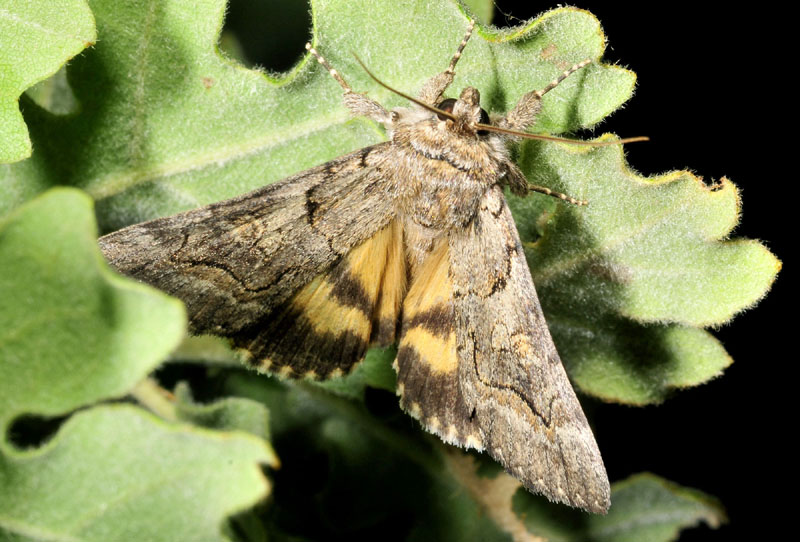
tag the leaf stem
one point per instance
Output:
(155, 398)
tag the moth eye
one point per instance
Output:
(447, 106)
(484, 120)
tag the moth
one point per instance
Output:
(409, 241)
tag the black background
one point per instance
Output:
(711, 96)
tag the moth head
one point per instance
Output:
(463, 116)
(466, 111)
(467, 117)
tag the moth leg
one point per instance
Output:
(519, 185)
(434, 87)
(524, 113)
(358, 104)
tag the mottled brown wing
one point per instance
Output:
(511, 378)
(328, 325)
(240, 265)
(427, 364)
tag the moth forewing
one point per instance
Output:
(412, 235)
(241, 265)
(509, 371)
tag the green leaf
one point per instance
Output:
(650, 247)
(36, 38)
(621, 361)
(483, 10)
(231, 413)
(375, 371)
(186, 127)
(167, 124)
(117, 473)
(54, 94)
(644, 508)
(173, 126)
(626, 281)
(74, 333)
(71, 331)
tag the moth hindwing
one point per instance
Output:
(408, 241)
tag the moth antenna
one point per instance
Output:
(420, 103)
(559, 195)
(328, 67)
(452, 67)
(486, 127)
(431, 92)
(557, 81)
(541, 137)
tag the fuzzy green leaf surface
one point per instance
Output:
(118, 473)
(483, 10)
(71, 331)
(168, 124)
(374, 372)
(644, 508)
(36, 38)
(231, 413)
(627, 281)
